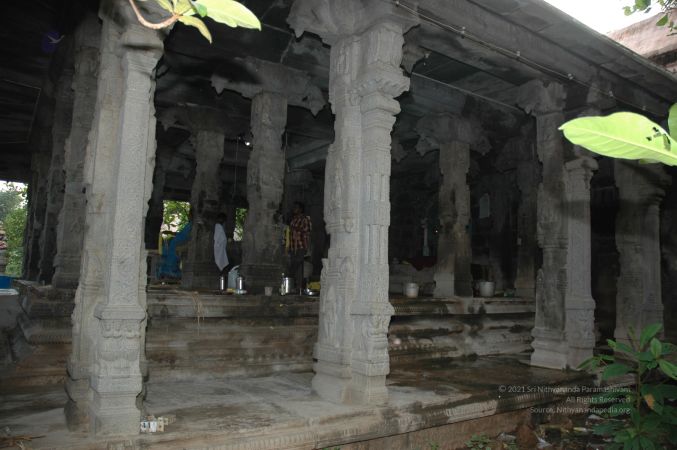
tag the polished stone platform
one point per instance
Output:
(444, 402)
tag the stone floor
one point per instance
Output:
(281, 412)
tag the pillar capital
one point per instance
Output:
(538, 98)
(266, 76)
(437, 130)
(334, 20)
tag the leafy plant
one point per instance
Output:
(175, 214)
(646, 6)
(478, 442)
(228, 12)
(626, 135)
(14, 223)
(643, 417)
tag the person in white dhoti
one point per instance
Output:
(220, 242)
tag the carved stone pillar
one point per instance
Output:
(640, 190)
(579, 304)
(453, 136)
(70, 230)
(366, 50)
(277, 86)
(550, 349)
(262, 252)
(63, 113)
(199, 269)
(109, 315)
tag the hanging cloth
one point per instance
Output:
(220, 242)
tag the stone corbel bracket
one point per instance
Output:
(438, 129)
(537, 97)
(295, 85)
(333, 20)
(196, 118)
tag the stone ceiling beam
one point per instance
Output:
(295, 85)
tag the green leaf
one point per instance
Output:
(649, 332)
(656, 348)
(615, 370)
(200, 9)
(668, 368)
(166, 5)
(622, 135)
(231, 13)
(663, 21)
(197, 23)
(672, 121)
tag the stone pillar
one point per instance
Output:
(453, 136)
(528, 179)
(366, 41)
(61, 126)
(262, 252)
(199, 269)
(579, 305)
(109, 316)
(70, 230)
(546, 103)
(277, 87)
(640, 190)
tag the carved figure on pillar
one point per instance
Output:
(366, 39)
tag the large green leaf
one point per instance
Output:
(197, 23)
(623, 135)
(231, 13)
(672, 121)
(649, 332)
(615, 370)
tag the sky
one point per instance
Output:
(601, 15)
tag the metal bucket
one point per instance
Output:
(287, 286)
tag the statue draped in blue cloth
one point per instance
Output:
(169, 267)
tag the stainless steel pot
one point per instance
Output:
(287, 286)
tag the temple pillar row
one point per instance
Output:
(527, 178)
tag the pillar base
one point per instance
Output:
(258, 276)
(550, 349)
(444, 285)
(368, 390)
(114, 414)
(77, 407)
(203, 275)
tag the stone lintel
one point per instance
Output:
(266, 76)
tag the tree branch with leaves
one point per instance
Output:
(191, 13)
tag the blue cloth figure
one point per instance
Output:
(169, 262)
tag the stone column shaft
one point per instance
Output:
(454, 253)
(110, 303)
(549, 339)
(70, 230)
(199, 269)
(579, 304)
(262, 252)
(527, 182)
(639, 298)
(63, 113)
